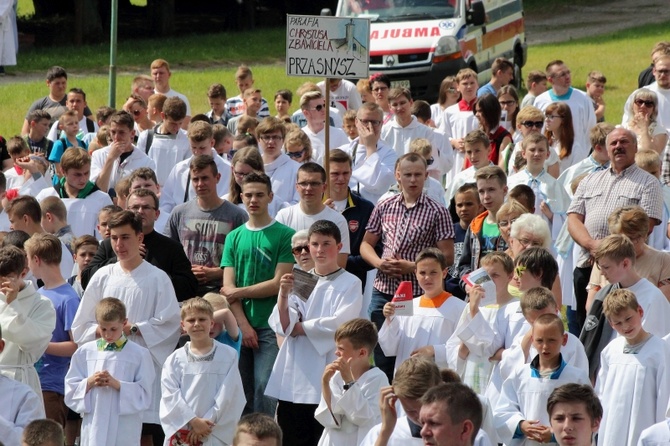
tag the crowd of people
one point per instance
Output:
(490, 269)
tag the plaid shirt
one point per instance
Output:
(405, 232)
(599, 194)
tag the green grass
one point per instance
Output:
(26, 8)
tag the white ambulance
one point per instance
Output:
(417, 43)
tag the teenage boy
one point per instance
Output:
(551, 200)
(201, 405)
(252, 105)
(27, 319)
(595, 88)
(281, 169)
(160, 73)
(84, 248)
(477, 148)
(574, 414)
(350, 386)
(520, 416)
(76, 101)
(257, 429)
(435, 315)
(110, 380)
(633, 382)
(536, 81)
(25, 215)
(308, 327)
(313, 106)
(177, 188)
(467, 206)
(216, 96)
(167, 143)
(483, 235)
(311, 185)
(82, 198)
(202, 225)
(44, 254)
(459, 119)
(54, 221)
(18, 150)
(153, 312)
(121, 157)
(502, 73)
(20, 406)
(37, 134)
(244, 79)
(256, 255)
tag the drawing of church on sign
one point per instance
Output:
(350, 45)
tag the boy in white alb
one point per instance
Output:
(110, 381)
(308, 327)
(435, 315)
(551, 200)
(281, 169)
(476, 148)
(597, 160)
(350, 386)
(201, 388)
(520, 417)
(146, 291)
(530, 120)
(633, 382)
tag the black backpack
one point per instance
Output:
(596, 332)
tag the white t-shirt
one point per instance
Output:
(295, 218)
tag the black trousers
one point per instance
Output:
(581, 280)
(297, 423)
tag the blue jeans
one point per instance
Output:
(385, 363)
(255, 368)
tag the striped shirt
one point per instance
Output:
(405, 232)
(600, 193)
(235, 107)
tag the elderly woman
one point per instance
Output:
(643, 111)
(650, 263)
(530, 230)
(300, 249)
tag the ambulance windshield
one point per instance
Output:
(398, 10)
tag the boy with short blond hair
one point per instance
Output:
(223, 140)
(84, 248)
(255, 428)
(225, 328)
(477, 146)
(633, 382)
(54, 221)
(43, 433)
(435, 315)
(520, 416)
(155, 106)
(110, 372)
(349, 124)
(252, 104)
(595, 88)
(244, 79)
(44, 255)
(350, 386)
(205, 404)
(433, 187)
(536, 83)
(216, 95)
(530, 120)
(69, 124)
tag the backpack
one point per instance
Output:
(596, 332)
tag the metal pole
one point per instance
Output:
(326, 140)
(112, 53)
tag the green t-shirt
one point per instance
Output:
(255, 253)
(490, 234)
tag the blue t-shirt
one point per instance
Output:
(487, 88)
(66, 302)
(225, 338)
(58, 149)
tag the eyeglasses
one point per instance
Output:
(561, 74)
(550, 117)
(531, 124)
(312, 184)
(519, 270)
(240, 174)
(140, 207)
(297, 154)
(299, 250)
(505, 103)
(452, 90)
(662, 72)
(318, 107)
(378, 89)
(506, 223)
(528, 242)
(641, 102)
(268, 138)
(372, 122)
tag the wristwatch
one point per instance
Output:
(348, 385)
(133, 329)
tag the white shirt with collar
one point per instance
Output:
(120, 169)
(372, 175)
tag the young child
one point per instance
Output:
(225, 329)
(18, 149)
(257, 429)
(633, 382)
(308, 327)
(110, 381)
(54, 221)
(649, 161)
(43, 433)
(283, 100)
(84, 248)
(350, 386)
(595, 88)
(433, 188)
(574, 414)
(520, 416)
(28, 320)
(216, 96)
(483, 234)
(483, 332)
(435, 316)
(37, 135)
(244, 79)
(536, 82)
(551, 200)
(69, 124)
(155, 107)
(201, 404)
(524, 195)
(103, 219)
(349, 124)
(467, 206)
(530, 120)
(252, 105)
(477, 147)
(223, 140)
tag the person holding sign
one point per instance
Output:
(309, 325)
(434, 318)
(313, 105)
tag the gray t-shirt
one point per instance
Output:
(203, 234)
(55, 109)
